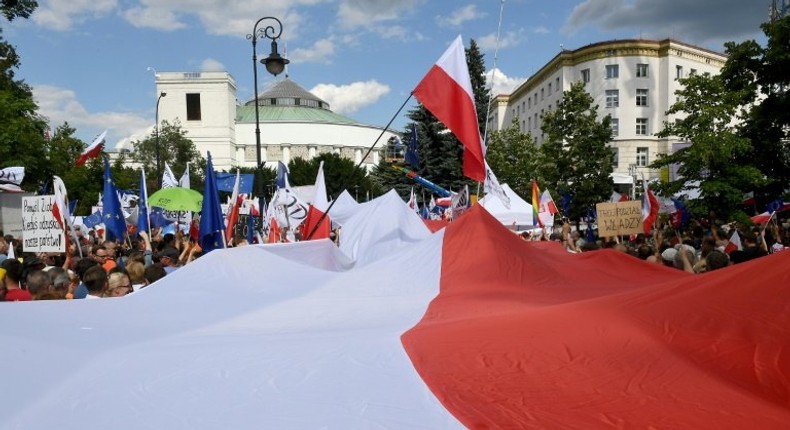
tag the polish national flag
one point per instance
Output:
(734, 244)
(93, 150)
(233, 209)
(446, 91)
(60, 208)
(547, 209)
(650, 206)
(467, 327)
(311, 229)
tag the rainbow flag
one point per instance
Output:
(535, 204)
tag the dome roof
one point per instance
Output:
(288, 93)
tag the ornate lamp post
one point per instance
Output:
(275, 64)
(158, 166)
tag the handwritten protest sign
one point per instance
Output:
(618, 219)
(40, 231)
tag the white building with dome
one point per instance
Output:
(293, 121)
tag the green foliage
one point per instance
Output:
(574, 158)
(513, 157)
(477, 69)
(17, 8)
(759, 75)
(710, 162)
(176, 150)
(339, 174)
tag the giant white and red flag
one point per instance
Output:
(446, 91)
(93, 150)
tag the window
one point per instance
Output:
(518, 110)
(641, 97)
(586, 75)
(523, 106)
(641, 157)
(529, 121)
(641, 126)
(536, 120)
(529, 102)
(541, 93)
(615, 156)
(692, 72)
(193, 107)
(557, 84)
(522, 126)
(549, 87)
(641, 70)
(612, 71)
(615, 127)
(678, 72)
(612, 98)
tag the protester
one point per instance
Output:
(154, 273)
(118, 285)
(95, 280)
(13, 276)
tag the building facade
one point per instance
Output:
(293, 122)
(634, 81)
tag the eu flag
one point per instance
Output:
(142, 206)
(212, 226)
(226, 181)
(113, 218)
(412, 157)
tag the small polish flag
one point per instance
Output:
(93, 150)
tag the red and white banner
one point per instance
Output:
(446, 91)
(401, 328)
(93, 150)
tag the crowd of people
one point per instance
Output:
(96, 268)
(93, 268)
(700, 247)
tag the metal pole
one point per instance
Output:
(158, 165)
(269, 33)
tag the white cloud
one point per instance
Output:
(541, 30)
(212, 65)
(153, 17)
(320, 52)
(61, 105)
(509, 40)
(61, 15)
(347, 99)
(370, 13)
(503, 84)
(460, 16)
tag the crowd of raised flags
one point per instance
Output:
(445, 91)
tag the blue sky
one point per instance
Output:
(88, 60)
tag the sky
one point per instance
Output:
(91, 63)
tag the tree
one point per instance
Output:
(22, 141)
(710, 161)
(477, 70)
(339, 174)
(175, 149)
(512, 156)
(759, 75)
(17, 8)
(574, 158)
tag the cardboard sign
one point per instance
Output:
(40, 231)
(618, 219)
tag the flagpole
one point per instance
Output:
(362, 160)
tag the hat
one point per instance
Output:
(669, 254)
(170, 253)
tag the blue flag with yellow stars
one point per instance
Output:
(212, 226)
(112, 215)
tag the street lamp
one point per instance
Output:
(275, 64)
(158, 166)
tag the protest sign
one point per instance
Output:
(618, 219)
(40, 231)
